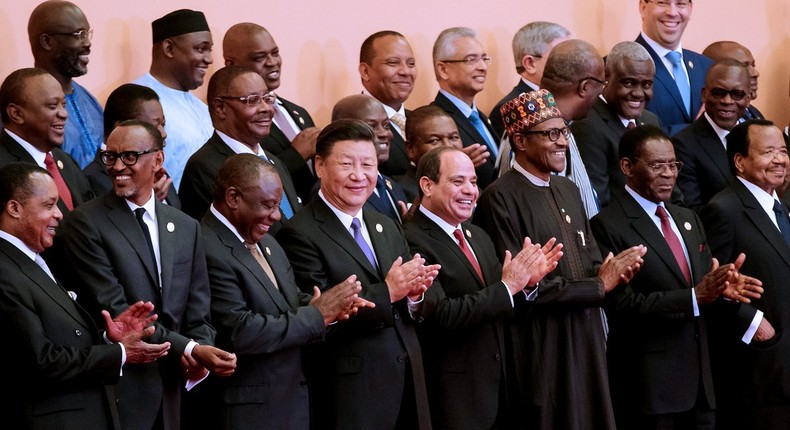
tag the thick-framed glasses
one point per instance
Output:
(128, 158)
(471, 61)
(720, 93)
(661, 4)
(80, 35)
(593, 78)
(659, 168)
(553, 133)
(253, 100)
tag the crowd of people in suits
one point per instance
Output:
(607, 249)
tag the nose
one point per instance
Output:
(162, 131)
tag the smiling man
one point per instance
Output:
(60, 38)
(702, 146)
(180, 58)
(629, 71)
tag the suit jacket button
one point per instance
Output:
(400, 359)
(396, 316)
(497, 357)
(78, 332)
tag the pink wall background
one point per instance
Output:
(319, 40)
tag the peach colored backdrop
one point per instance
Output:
(319, 40)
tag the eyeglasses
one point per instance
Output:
(253, 100)
(680, 4)
(128, 158)
(659, 168)
(471, 61)
(80, 35)
(720, 93)
(593, 78)
(553, 133)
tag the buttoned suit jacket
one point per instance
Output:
(111, 267)
(201, 171)
(278, 144)
(100, 182)
(359, 374)
(463, 341)
(657, 349)
(667, 103)
(58, 365)
(759, 397)
(598, 138)
(264, 326)
(497, 123)
(486, 173)
(706, 170)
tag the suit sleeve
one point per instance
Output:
(593, 149)
(196, 323)
(688, 181)
(195, 189)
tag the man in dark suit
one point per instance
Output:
(702, 145)
(721, 50)
(241, 111)
(467, 356)
(260, 314)
(658, 358)
(131, 101)
(460, 64)
(59, 366)
(629, 72)
(663, 23)
(387, 68)
(32, 106)
(292, 134)
(116, 259)
(747, 217)
(369, 372)
(532, 44)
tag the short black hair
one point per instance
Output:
(738, 140)
(13, 88)
(430, 165)
(238, 171)
(634, 139)
(220, 83)
(366, 53)
(420, 115)
(339, 130)
(16, 181)
(123, 103)
(155, 135)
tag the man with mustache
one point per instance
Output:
(60, 38)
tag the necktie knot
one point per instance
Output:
(778, 208)
(400, 121)
(459, 236)
(139, 213)
(675, 57)
(631, 124)
(662, 213)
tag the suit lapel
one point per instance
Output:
(167, 243)
(336, 232)
(696, 80)
(286, 297)
(711, 144)
(690, 239)
(664, 77)
(436, 232)
(761, 221)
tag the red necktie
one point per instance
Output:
(63, 189)
(465, 249)
(631, 124)
(674, 243)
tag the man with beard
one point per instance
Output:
(60, 38)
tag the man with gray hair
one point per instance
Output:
(460, 63)
(532, 44)
(629, 72)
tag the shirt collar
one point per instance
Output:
(765, 200)
(38, 156)
(529, 83)
(239, 147)
(149, 206)
(532, 178)
(444, 225)
(660, 50)
(226, 222)
(463, 107)
(22, 246)
(648, 206)
(344, 218)
(722, 133)
(390, 111)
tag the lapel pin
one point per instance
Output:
(691, 64)
(468, 233)
(389, 184)
(567, 218)
(687, 226)
(301, 120)
(379, 228)
(171, 227)
(268, 251)
(299, 199)
(60, 164)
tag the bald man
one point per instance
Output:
(293, 132)
(718, 51)
(60, 38)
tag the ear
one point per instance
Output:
(583, 88)
(14, 209)
(738, 160)
(528, 63)
(159, 160)
(228, 62)
(232, 197)
(364, 72)
(218, 107)
(168, 47)
(441, 71)
(15, 113)
(410, 150)
(426, 185)
(626, 166)
(319, 164)
(45, 41)
(519, 142)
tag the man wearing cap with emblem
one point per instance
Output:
(559, 342)
(180, 58)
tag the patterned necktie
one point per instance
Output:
(63, 189)
(282, 123)
(400, 121)
(674, 243)
(681, 80)
(139, 213)
(357, 228)
(459, 236)
(256, 253)
(782, 221)
(474, 118)
(285, 205)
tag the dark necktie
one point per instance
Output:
(681, 80)
(285, 205)
(139, 213)
(63, 189)
(782, 221)
(459, 236)
(384, 199)
(674, 243)
(477, 122)
(357, 228)
(631, 124)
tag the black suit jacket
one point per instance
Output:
(202, 168)
(409, 183)
(760, 396)
(706, 170)
(100, 182)
(464, 340)
(57, 363)
(469, 136)
(598, 138)
(382, 204)
(497, 123)
(369, 356)
(110, 267)
(666, 102)
(278, 144)
(657, 349)
(265, 327)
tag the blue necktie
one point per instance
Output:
(681, 80)
(384, 198)
(285, 206)
(474, 118)
(356, 226)
(782, 221)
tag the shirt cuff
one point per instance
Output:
(532, 295)
(694, 303)
(414, 306)
(190, 346)
(123, 357)
(747, 337)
